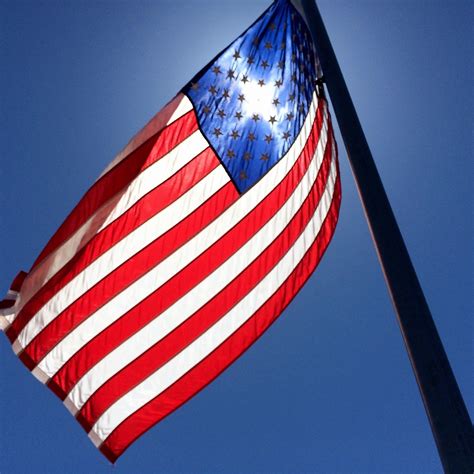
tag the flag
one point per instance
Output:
(191, 242)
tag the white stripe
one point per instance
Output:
(184, 107)
(126, 248)
(8, 314)
(219, 332)
(4, 322)
(145, 285)
(148, 179)
(200, 294)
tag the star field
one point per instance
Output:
(251, 101)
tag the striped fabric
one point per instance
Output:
(168, 269)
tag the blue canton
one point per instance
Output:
(252, 99)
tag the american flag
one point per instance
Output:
(191, 242)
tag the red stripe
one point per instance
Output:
(187, 278)
(206, 371)
(6, 304)
(160, 120)
(18, 281)
(119, 176)
(15, 286)
(130, 270)
(163, 351)
(143, 210)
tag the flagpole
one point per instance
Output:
(447, 413)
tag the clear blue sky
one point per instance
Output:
(329, 387)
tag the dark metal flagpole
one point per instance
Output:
(447, 413)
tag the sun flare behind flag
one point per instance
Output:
(191, 242)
